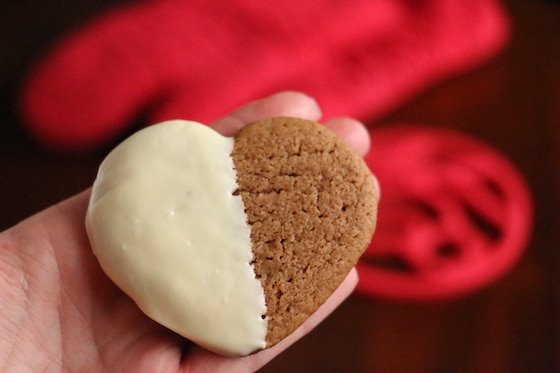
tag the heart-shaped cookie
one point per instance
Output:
(231, 242)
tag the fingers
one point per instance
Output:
(204, 361)
(353, 131)
(294, 104)
(289, 104)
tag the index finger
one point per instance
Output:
(294, 104)
(283, 104)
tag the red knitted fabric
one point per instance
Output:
(199, 59)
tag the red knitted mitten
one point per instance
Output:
(200, 59)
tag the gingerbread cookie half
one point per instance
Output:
(231, 242)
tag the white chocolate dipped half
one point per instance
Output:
(167, 228)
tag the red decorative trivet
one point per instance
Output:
(454, 215)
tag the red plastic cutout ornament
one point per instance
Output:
(454, 215)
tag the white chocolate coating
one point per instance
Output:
(167, 229)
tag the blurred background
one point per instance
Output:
(511, 102)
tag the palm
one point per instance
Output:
(60, 312)
(75, 316)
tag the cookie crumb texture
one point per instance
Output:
(311, 204)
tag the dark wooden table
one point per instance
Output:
(513, 103)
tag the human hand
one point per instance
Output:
(60, 312)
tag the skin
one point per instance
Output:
(59, 312)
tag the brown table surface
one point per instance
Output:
(513, 103)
